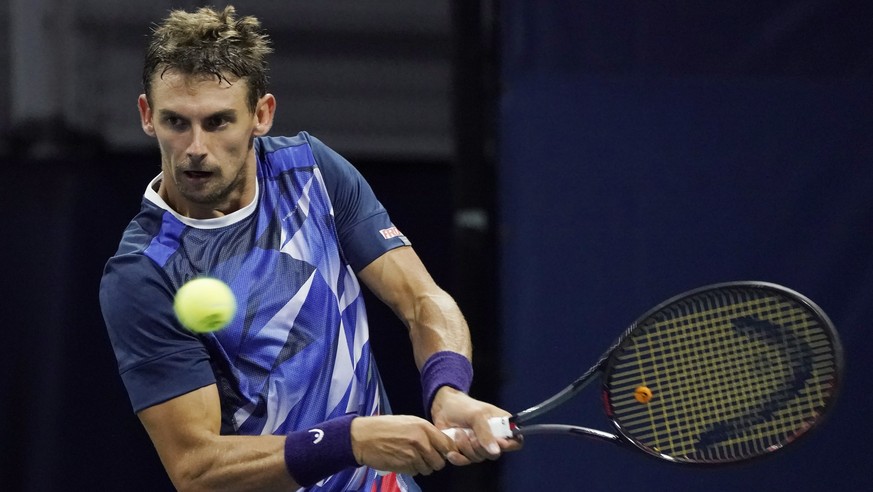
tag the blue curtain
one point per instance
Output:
(646, 151)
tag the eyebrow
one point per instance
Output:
(226, 114)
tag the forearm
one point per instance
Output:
(436, 324)
(185, 433)
(245, 463)
(441, 345)
(439, 334)
(434, 321)
(402, 444)
(230, 463)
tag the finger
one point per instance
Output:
(487, 442)
(478, 453)
(433, 458)
(434, 461)
(514, 444)
(464, 445)
(458, 459)
(421, 466)
(442, 443)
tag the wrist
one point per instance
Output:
(319, 452)
(443, 369)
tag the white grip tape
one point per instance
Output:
(499, 427)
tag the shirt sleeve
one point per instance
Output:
(364, 228)
(157, 359)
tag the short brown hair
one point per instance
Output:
(208, 42)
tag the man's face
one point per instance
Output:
(204, 129)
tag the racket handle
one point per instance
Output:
(499, 427)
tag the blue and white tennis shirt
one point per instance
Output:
(297, 352)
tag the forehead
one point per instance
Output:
(176, 91)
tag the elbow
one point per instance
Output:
(189, 477)
(188, 485)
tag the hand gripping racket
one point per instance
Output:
(719, 374)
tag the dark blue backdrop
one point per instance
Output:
(648, 151)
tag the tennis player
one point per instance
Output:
(288, 395)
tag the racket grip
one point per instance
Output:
(499, 427)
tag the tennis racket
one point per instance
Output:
(719, 374)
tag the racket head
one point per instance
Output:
(724, 373)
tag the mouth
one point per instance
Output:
(197, 176)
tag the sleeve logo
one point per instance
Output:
(390, 232)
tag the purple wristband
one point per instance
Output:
(444, 369)
(321, 451)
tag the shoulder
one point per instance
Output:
(133, 277)
(270, 145)
(305, 151)
(302, 147)
(133, 270)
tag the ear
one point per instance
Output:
(264, 112)
(145, 115)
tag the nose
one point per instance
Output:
(196, 150)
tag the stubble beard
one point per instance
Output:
(215, 191)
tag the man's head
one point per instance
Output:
(208, 43)
(205, 101)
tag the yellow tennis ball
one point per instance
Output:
(643, 394)
(204, 304)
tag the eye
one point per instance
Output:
(217, 122)
(175, 122)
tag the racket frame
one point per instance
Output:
(516, 423)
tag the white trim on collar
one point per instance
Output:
(151, 195)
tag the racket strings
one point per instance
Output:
(733, 374)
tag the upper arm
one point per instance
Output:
(157, 359)
(398, 278)
(363, 226)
